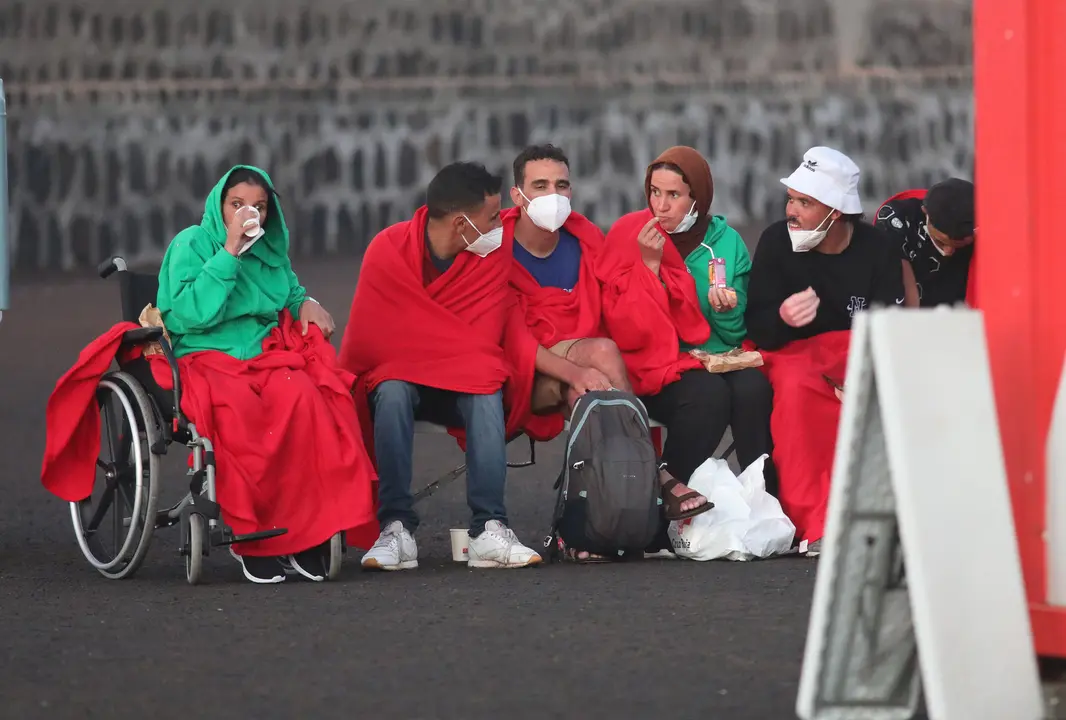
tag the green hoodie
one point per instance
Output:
(211, 300)
(727, 328)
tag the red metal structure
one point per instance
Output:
(1020, 89)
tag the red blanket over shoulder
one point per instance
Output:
(552, 314)
(649, 316)
(461, 333)
(804, 424)
(288, 449)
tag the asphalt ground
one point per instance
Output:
(632, 640)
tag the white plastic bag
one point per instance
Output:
(745, 523)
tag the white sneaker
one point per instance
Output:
(395, 549)
(498, 547)
(811, 549)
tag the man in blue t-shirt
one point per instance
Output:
(554, 251)
(562, 266)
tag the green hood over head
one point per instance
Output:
(273, 247)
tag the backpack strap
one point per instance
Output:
(551, 541)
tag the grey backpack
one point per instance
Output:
(608, 501)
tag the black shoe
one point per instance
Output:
(310, 564)
(260, 570)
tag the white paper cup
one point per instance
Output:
(251, 225)
(460, 542)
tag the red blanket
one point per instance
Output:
(72, 420)
(288, 450)
(647, 316)
(552, 314)
(916, 194)
(461, 333)
(804, 424)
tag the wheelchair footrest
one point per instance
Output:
(228, 538)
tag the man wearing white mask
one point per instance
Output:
(813, 272)
(433, 334)
(554, 278)
(821, 265)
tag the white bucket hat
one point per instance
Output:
(830, 177)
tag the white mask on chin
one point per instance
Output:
(686, 222)
(486, 242)
(945, 251)
(806, 240)
(548, 212)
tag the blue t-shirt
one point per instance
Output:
(558, 270)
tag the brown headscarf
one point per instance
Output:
(697, 173)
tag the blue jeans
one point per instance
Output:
(396, 405)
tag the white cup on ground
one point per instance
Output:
(460, 545)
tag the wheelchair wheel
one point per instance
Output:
(336, 556)
(194, 561)
(114, 524)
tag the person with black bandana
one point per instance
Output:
(934, 231)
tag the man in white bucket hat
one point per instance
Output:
(812, 273)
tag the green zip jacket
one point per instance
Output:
(211, 300)
(727, 328)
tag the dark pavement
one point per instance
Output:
(637, 640)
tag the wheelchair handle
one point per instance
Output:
(110, 266)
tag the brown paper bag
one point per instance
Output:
(151, 317)
(735, 359)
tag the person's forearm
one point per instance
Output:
(912, 299)
(554, 366)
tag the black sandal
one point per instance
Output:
(673, 502)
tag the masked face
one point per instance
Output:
(485, 242)
(686, 223)
(670, 199)
(806, 218)
(548, 212)
(544, 193)
(807, 240)
(944, 245)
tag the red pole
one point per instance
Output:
(1020, 99)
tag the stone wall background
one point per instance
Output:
(123, 114)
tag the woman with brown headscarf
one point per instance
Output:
(675, 280)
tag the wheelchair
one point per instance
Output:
(140, 421)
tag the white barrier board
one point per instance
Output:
(1056, 498)
(919, 573)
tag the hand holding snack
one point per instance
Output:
(722, 299)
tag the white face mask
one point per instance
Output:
(486, 242)
(806, 240)
(686, 222)
(548, 212)
(946, 252)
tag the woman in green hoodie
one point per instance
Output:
(264, 386)
(235, 304)
(679, 189)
